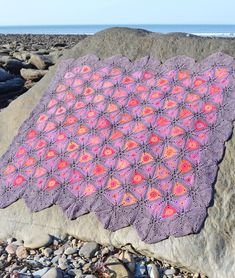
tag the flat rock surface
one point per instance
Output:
(212, 250)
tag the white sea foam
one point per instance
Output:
(222, 35)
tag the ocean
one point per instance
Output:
(202, 30)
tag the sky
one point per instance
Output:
(63, 12)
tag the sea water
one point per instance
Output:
(202, 30)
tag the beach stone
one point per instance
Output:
(21, 252)
(4, 59)
(153, 271)
(55, 260)
(170, 271)
(23, 270)
(59, 251)
(75, 272)
(41, 62)
(88, 249)
(116, 267)
(63, 264)
(53, 273)
(32, 74)
(14, 66)
(211, 251)
(14, 84)
(70, 251)
(35, 241)
(21, 55)
(47, 252)
(11, 248)
(41, 272)
(4, 75)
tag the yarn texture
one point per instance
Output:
(138, 143)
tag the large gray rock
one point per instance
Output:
(212, 250)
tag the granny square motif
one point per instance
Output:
(138, 143)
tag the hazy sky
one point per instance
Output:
(37, 12)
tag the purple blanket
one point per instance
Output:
(138, 143)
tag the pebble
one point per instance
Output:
(43, 262)
(75, 272)
(63, 264)
(37, 241)
(170, 271)
(1, 250)
(10, 239)
(153, 271)
(140, 269)
(88, 249)
(70, 251)
(11, 248)
(41, 272)
(54, 273)
(55, 260)
(86, 267)
(47, 252)
(21, 252)
(74, 242)
(59, 251)
(117, 267)
(1, 265)
(23, 270)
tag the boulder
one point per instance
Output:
(4, 75)
(32, 74)
(11, 85)
(14, 66)
(4, 59)
(41, 62)
(21, 55)
(211, 251)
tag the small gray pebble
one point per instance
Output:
(88, 249)
(170, 271)
(70, 251)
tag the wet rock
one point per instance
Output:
(4, 75)
(11, 85)
(14, 66)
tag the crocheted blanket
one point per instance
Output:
(138, 143)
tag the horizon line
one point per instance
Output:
(115, 24)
